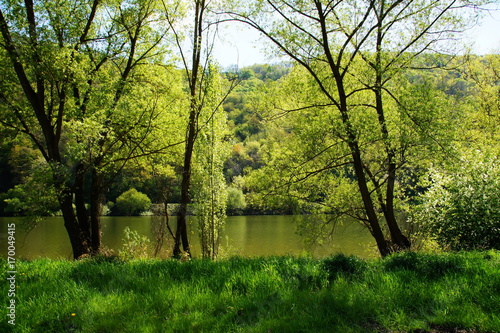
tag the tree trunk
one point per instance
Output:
(96, 197)
(362, 181)
(400, 241)
(78, 242)
(81, 209)
(181, 232)
(373, 221)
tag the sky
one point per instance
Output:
(243, 46)
(240, 45)
(486, 36)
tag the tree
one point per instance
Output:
(210, 194)
(70, 67)
(352, 51)
(196, 72)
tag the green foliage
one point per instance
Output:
(236, 202)
(242, 104)
(135, 246)
(244, 158)
(461, 209)
(131, 202)
(484, 116)
(114, 97)
(89, 83)
(265, 72)
(278, 294)
(28, 188)
(209, 186)
(350, 99)
(34, 196)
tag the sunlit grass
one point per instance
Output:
(404, 293)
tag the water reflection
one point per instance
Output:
(243, 235)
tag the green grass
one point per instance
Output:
(403, 293)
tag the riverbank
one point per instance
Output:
(403, 293)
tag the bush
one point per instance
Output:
(131, 202)
(461, 210)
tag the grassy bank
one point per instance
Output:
(403, 293)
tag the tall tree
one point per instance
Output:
(330, 40)
(69, 67)
(209, 184)
(196, 62)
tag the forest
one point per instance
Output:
(117, 107)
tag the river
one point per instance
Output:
(248, 236)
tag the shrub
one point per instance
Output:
(131, 202)
(461, 209)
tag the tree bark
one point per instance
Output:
(400, 241)
(78, 242)
(371, 214)
(96, 198)
(181, 235)
(79, 195)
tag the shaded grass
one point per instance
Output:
(407, 292)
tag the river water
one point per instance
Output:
(248, 236)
